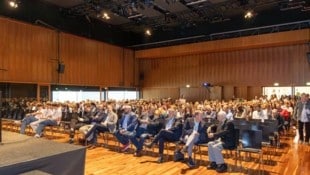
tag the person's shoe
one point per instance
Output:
(138, 153)
(71, 141)
(221, 168)
(160, 159)
(125, 147)
(148, 145)
(37, 136)
(212, 166)
(191, 163)
(91, 146)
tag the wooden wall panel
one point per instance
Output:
(93, 63)
(254, 92)
(30, 54)
(265, 40)
(25, 52)
(228, 92)
(195, 94)
(129, 68)
(258, 67)
(241, 92)
(158, 93)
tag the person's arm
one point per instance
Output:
(229, 128)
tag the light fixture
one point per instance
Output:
(308, 83)
(276, 84)
(105, 16)
(188, 86)
(148, 32)
(13, 3)
(249, 14)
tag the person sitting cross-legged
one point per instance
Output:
(108, 124)
(195, 132)
(171, 132)
(127, 126)
(224, 138)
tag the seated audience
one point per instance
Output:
(172, 132)
(127, 126)
(195, 133)
(224, 138)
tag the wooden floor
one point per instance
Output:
(288, 160)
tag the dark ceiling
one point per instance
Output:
(170, 21)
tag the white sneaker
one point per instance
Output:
(37, 136)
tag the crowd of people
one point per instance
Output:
(164, 120)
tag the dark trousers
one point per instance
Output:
(165, 136)
(301, 126)
(138, 140)
(124, 138)
(91, 135)
(74, 125)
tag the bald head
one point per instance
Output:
(221, 116)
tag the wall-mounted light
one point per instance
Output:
(188, 86)
(276, 84)
(308, 83)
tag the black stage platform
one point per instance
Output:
(20, 154)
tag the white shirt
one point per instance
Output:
(169, 123)
(125, 121)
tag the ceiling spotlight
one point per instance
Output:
(188, 86)
(248, 14)
(148, 32)
(276, 84)
(13, 4)
(105, 16)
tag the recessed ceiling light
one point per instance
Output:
(276, 84)
(13, 4)
(105, 16)
(148, 32)
(188, 86)
(248, 14)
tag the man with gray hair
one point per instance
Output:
(224, 138)
(302, 115)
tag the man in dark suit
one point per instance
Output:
(224, 138)
(171, 132)
(194, 133)
(127, 126)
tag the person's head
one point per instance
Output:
(110, 108)
(304, 97)
(127, 109)
(172, 111)
(198, 115)
(221, 116)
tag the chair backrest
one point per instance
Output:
(267, 132)
(237, 133)
(251, 138)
